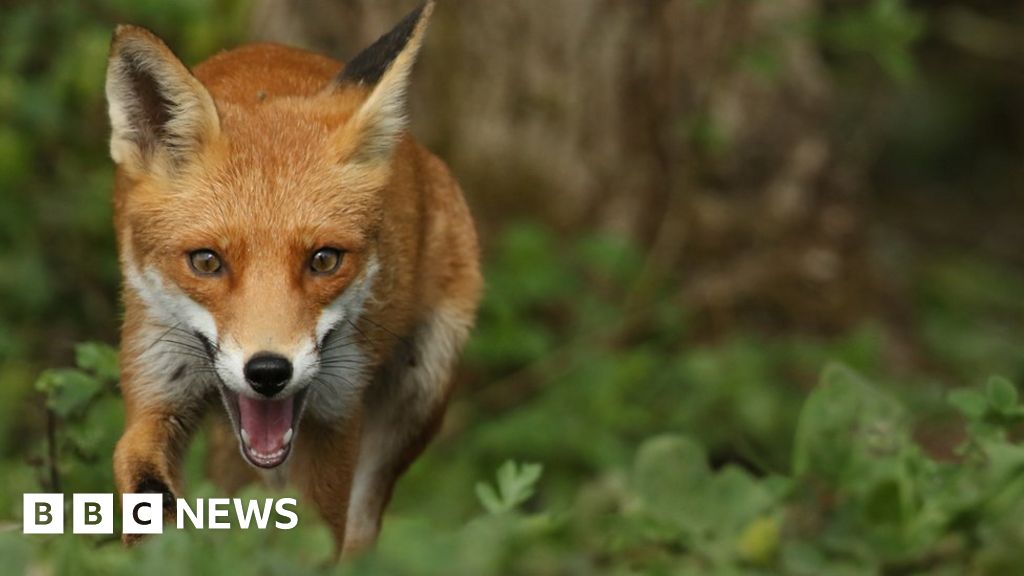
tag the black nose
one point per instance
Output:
(268, 373)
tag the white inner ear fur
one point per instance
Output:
(381, 119)
(191, 114)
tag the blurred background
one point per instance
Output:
(689, 209)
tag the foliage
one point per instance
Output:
(720, 463)
(884, 30)
(860, 497)
(58, 273)
(515, 486)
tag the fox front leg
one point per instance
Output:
(148, 456)
(323, 465)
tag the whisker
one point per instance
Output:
(342, 368)
(401, 339)
(188, 345)
(325, 360)
(337, 376)
(159, 338)
(189, 354)
(343, 354)
(353, 357)
(345, 343)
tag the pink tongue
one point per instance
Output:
(265, 422)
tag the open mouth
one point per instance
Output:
(265, 428)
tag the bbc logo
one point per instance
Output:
(92, 513)
(143, 513)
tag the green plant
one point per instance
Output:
(59, 267)
(515, 486)
(883, 30)
(657, 457)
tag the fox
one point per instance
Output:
(294, 264)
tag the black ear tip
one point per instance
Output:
(410, 20)
(370, 64)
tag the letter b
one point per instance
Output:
(43, 514)
(93, 514)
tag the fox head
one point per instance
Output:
(248, 216)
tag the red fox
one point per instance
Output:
(291, 252)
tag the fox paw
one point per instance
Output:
(152, 485)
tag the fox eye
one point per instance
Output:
(204, 262)
(325, 260)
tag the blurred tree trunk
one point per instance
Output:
(701, 129)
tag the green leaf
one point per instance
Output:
(490, 500)
(515, 486)
(970, 403)
(846, 423)
(68, 392)
(671, 475)
(739, 498)
(1002, 394)
(886, 30)
(98, 359)
(759, 542)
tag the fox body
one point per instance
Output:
(290, 253)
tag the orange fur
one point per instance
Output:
(286, 161)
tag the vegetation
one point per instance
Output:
(599, 428)
(656, 457)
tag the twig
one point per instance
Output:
(51, 445)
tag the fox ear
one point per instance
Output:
(383, 69)
(159, 112)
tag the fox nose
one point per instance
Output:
(267, 373)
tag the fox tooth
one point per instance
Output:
(245, 437)
(287, 437)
